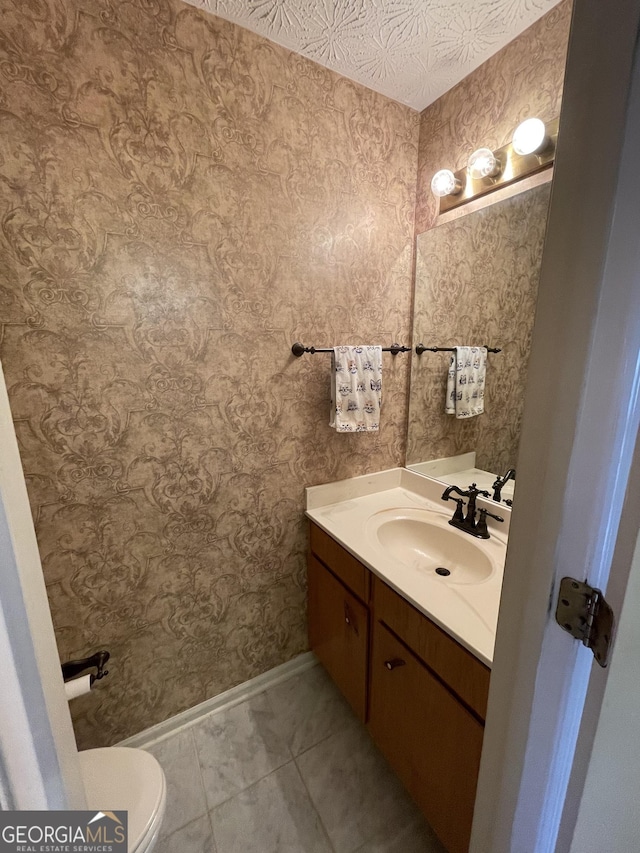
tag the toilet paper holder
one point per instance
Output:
(72, 668)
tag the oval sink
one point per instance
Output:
(425, 541)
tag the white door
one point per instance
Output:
(39, 766)
(574, 514)
(608, 811)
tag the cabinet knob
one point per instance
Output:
(348, 618)
(394, 662)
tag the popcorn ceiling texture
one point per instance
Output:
(182, 200)
(410, 50)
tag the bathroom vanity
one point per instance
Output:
(404, 644)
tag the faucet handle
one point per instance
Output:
(486, 512)
(458, 514)
(481, 527)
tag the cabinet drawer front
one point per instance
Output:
(463, 672)
(350, 571)
(339, 634)
(430, 739)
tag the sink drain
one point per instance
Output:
(442, 571)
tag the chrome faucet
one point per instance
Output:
(468, 522)
(500, 483)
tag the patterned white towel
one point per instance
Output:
(356, 389)
(465, 382)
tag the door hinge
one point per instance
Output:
(583, 611)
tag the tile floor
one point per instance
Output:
(289, 770)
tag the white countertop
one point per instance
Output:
(347, 511)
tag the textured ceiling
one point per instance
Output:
(410, 50)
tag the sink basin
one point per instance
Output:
(426, 541)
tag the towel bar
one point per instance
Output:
(299, 349)
(420, 348)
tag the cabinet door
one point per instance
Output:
(339, 634)
(430, 739)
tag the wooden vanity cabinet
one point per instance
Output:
(338, 618)
(422, 695)
(429, 736)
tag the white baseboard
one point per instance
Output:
(222, 701)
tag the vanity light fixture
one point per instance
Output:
(530, 137)
(483, 163)
(532, 149)
(445, 183)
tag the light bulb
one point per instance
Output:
(445, 183)
(530, 136)
(483, 164)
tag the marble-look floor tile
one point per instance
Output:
(273, 816)
(195, 837)
(238, 747)
(309, 708)
(185, 793)
(355, 792)
(416, 836)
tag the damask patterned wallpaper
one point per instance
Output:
(181, 200)
(523, 79)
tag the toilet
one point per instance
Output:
(117, 777)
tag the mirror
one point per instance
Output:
(476, 284)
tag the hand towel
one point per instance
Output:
(356, 388)
(465, 382)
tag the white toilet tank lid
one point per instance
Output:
(117, 777)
